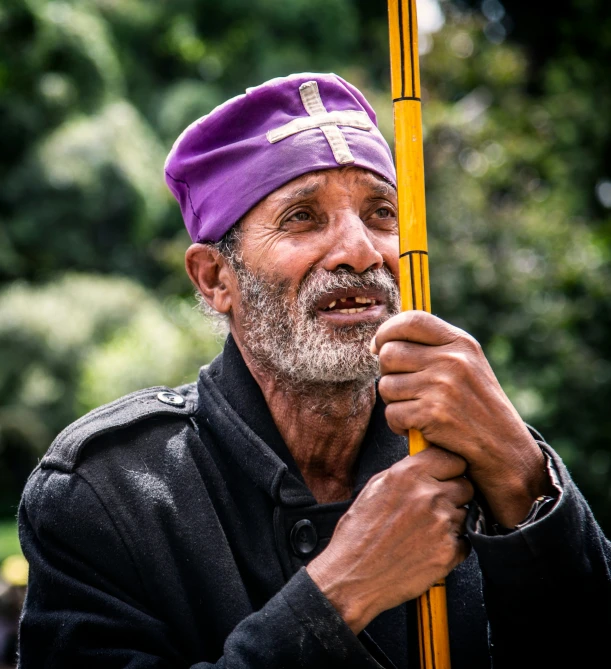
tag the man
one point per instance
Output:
(267, 516)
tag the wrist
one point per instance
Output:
(512, 501)
(343, 596)
(540, 508)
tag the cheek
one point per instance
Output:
(292, 267)
(388, 246)
(283, 259)
(294, 256)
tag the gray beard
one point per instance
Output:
(287, 338)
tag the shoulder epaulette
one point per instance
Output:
(124, 412)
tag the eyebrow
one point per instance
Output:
(300, 193)
(379, 186)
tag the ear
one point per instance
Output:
(211, 275)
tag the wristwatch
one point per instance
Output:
(541, 506)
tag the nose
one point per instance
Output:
(351, 246)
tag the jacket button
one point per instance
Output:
(303, 538)
(171, 398)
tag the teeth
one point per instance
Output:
(351, 311)
(359, 299)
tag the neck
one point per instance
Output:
(323, 426)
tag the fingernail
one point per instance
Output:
(372, 346)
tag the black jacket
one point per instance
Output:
(160, 534)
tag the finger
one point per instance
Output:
(405, 356)
(458, 517)
(419, 327)
(429, 412)
(437, 463)
(459, 491)
(401, 387)
(463, 549)
(405, 415)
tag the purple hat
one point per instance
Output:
(228, 161)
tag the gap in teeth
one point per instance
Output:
(358, 299)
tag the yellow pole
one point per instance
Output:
(414, 263)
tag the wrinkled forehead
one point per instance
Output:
(313, 183)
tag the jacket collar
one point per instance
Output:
(242, 416)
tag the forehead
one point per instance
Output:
(315, 183)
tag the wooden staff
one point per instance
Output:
(413, 263)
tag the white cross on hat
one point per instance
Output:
(328, 122)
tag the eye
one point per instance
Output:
(383, 212)
(383, 218)
(299, 220)
(300, 216)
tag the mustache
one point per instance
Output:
(320, 283)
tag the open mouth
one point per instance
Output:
(350, 305)
(346, 303)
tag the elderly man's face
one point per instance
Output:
(317, 275)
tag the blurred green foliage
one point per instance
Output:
(94, 300)
(9, 542)
(73, 343)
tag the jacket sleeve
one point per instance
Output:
(547, 587)
(85, 605)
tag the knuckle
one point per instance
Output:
(437, 502)
(439, 413)
(377, 486)
(448, 519)
(446, 385)
(472, 342)
(391, 476)
(430, 501)
(386, 387)
(375, 479)
(391, 414)
(469, 342)
(459, 460)
(387, 354)
(420, 505)
(419, 464)
(468, 487)
(397, 417)
(460, 518)
(458, 359)
(415, 317)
